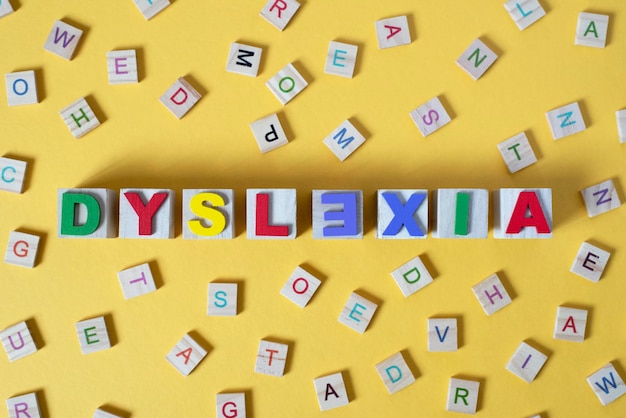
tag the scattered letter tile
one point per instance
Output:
(476, 59)
(517, 153)
(271, 358)
(186, 355)
(300, 287)
(395, 373)
(430, 116)
(491, 294)
(136, 281)
(526, 362)
(570, 324)
(331, 391)
(601, 198)
(590, 262)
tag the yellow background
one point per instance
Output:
(140, 144)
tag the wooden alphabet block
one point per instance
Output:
(357, 313)
(565, 121)
(146, 213)
(300, 287)
(442, 335)
(526, 362)
(590, 262)
(222, 299)
(5, 8)
(601, 198)
(230, 405)
(63, 40)
(136, 281)
(21, 88)
(331, 391)
(491, 294)
(122, 67)
(12, 175)
(393, 32)
(524, 12)
(344, 140)
(269, 133)
(607, 384)
(18, 341)
(620, 117)
(591, 30)
(271, 213)
(402, 214)
(570, 324)
(287, 83)
(22, 249)
(337, 214)
(430, 116)
(149, 8)
(279, 12)
(476, 59)
(462, 396)
(93, 335)
(99, 413)
(522, 213)
(208, 213)
(412, 276)
(244, 59)
(180, 98)
(186, 355)
(271, 358)
(395, 373)
(517, 153)
(79, 118)
(86, 213)
(24, 406)
(462, 213)
(341, 59)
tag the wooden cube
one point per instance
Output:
(269, 133)
(526, 362)
(620, 117)
(344, 140)
(146, 213)
(392, 32)
(271, 213)
(517, 153)
(18, 341)
(395, 373)
(442, 335)
(590, 262)
(63, 40)
(591, 30)
(136, 281)
(341, 59)
(21, 88)
(462, 213)
(186, 355)
(331, 391)
(93, 335)
(357, 313)
(5, 8)
(524, 12)
(491, 294)
(24, 406)
(286, 84)
(522, 213)
(122, 67)
(337, 214)
(230, 405)
(222, 299)
(565, 121)
(402, 214)
(476, 59)
(22, 249)
(430, 116)
(462, 396)
(412, 276)
(244, 59)
(208, 213)
(601, 198)
(570, 324)
(86, 213)
(180, 98)
(607, 384)
(12, 175)
(279, 12)
(271, 358)
(149, 8)
(300, 287)
(79, 118)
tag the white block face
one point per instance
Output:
(149, 8)
(180, 98)
(590, 262)
(79, 118)
(122, 67)
(279, 12)
(269, 133)
(146, 213)
(522, 213)
(271, 358)
(607, 384)
(462, 396)
(344, 140)
(17, 341)
(565, 121)
(476, 59)
(591, 30)
(517, 153)
(222, 299)
(402, 214)
(208, 214)
(63, 39)
(230, 405)
(395, 373)
(99, 413)
(136, 281)
(86, 213)
(570, 324)
(186, 355)
(93, 335)
(300, 287)
(430, 116)
(620, 117)
(442, 335)
(12, 175)
(341, 59)
(412, 276)
(244, 59)
(22, 249)
(526, 362)
(337, 214)
(491, 294)
(601, 198)
(357, 313)
(524, 12)
(286, 84)
(21, 88)
(462, 213)
(24, 406)
(271, 213)
(5, 8)
(331, 391)
(393, 32)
